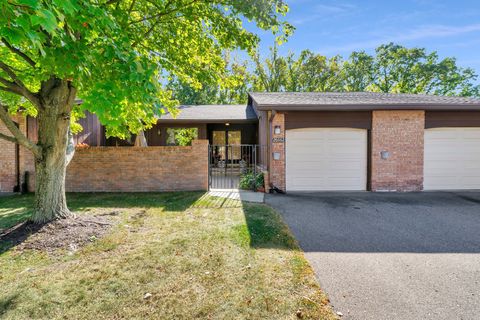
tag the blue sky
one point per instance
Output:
(452, 28)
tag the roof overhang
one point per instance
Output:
(352, 107)
(204, 121)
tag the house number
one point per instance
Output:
(278, 140)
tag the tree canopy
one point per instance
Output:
(117, 52)
(391, 69)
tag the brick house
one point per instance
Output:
(300, 141)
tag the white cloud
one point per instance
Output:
(423, 32)
(325, 11)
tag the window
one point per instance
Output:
(219, 140)
(181, 136)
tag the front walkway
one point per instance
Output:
(235, 194)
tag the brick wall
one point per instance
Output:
(401, 134)
(277, 167)
(8, 178)
(135, 169)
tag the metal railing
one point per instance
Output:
(227, 163)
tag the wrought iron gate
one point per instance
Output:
(227, 163)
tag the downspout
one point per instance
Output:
(270, 115)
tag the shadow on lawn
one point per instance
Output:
(266, 228)
(7, 303)
(15, 210)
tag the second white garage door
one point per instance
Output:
(322, 159)
(452, 158)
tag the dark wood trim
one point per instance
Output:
(328, 119)
(448, 119)
(201, 121)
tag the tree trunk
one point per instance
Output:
(57, 97)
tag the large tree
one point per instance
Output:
(392, 69)
(398, 69)
(112, 54)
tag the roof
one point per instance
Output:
(348, 101)
(212, 113)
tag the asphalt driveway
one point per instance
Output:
(391, 255)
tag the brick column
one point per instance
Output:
(277, 167)
(400, 133)
(200, 151)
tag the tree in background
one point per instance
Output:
(358, 72)
(392, 69)
(112, 54)
(399, 69)
(232, 89)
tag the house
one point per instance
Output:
(300, 141)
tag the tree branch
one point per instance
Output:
(17, 86)
(8, 138)
(164, 13)
(19, 53)
(18, 136)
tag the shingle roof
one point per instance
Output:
(358, 101)
(211, 113)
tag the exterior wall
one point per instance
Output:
(134, 169)
(8, 178)
(263, 137)
(277, 167)
(27, 161)
(401, 133)
(328, 119)
(449, 119)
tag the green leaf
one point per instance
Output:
(34, 4)
(67, 6)
(46, 19)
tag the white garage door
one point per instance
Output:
(326, 159)
(452, 158)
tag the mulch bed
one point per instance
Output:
(70, 234)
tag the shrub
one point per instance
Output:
(251, 181)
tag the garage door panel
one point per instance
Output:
(452, 158)
(326, 159)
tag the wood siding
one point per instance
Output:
(92, 134)
(328, 119)
(449, 119)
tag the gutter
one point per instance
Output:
(366, 107)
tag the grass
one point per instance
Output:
(199, 257)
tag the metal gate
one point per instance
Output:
(227, 163)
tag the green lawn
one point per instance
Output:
(198, 257)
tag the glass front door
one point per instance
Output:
(231, 138)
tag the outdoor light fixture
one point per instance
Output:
(276, 156)
(277, 130)
(384, 155)
(227, 124)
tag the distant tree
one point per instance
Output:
(112, 54)
(397, 69)
(358, 72)
(270, 73)
(392, 69)
(232, 89)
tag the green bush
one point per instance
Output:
(251, 181)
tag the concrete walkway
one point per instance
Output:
(235, 194)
